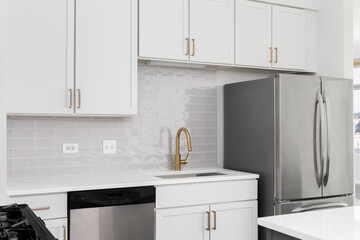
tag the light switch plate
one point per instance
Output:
(70, 148)
(109, 147)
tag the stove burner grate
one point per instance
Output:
(18, 222)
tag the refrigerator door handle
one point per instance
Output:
(320, 206)
(328, 155)
(318, 140)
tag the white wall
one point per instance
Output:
(335, 46)
(168, 98)
(3, 166)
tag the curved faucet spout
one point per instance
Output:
(187, 139)
(178, 160)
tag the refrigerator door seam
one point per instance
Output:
(276, 82)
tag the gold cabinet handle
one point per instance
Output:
(214, 228)
(193, 42)
(187, 46)
(79, 99)
(276, 55)
(271, 54)
(208, 223)
(41, 208)
(64, 228)
(71, 97)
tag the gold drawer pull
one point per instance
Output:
(193, 41)
(64, 227)
(41, 208)
(271, 54)
(71, 97)
(79, 99)
(187, 46)
(276, 55)
(214, 228)
(208, 222)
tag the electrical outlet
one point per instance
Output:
(70, 148)
(109, 147)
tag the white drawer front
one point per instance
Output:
(45, 206)
(205, 193)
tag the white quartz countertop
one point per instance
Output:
(330, 224)
(30, 186)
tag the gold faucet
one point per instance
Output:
(178, 161)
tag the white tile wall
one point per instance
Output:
(169, 98)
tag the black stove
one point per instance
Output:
(18, 222)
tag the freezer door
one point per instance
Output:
(298, 168)
(312, 205)
(338, 164)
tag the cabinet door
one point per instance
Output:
(233, 221)
(58, 228)
(212, 31)
(106, 57)
(182, 223)
(164, 29)
(40, 56)
(253, 34)
(289, 38)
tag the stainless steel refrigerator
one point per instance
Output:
(296, 131)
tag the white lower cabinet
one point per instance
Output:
(51, 208)
(230, 221)
(58, 228)
(234, 221)
(182, 223)
(224, 210)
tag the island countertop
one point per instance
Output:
(329, 224)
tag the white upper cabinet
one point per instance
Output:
(253, 34)
(228, 32)
(106, 63)
(304, 4)
(212, 31)
(272, 37)
(195, 31)
(164, 29)
(40, 56)
(289, 38)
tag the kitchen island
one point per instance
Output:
(329, 224)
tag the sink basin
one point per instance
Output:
(190, 175)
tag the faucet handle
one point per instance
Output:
(185, 161)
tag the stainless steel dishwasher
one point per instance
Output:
(112, 214)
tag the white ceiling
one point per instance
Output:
(357, 29)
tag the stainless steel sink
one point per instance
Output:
(190, 175)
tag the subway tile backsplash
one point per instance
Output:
(169, 98)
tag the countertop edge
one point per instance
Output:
(287, 231)
(157, 182)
